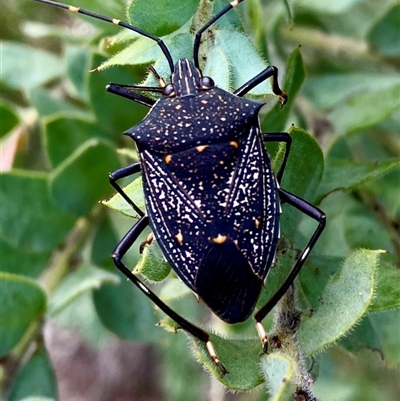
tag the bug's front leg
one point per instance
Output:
(119, 252)
(130, 92)
(269, 72)
(123, 173)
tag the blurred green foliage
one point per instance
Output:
(60, 133)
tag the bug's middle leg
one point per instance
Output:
(280, 137)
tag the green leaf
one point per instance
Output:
(8, 118)
(82, 179)
(275, 120)
(305, 165)
(387, 291)
(22, 302)
(333, 241)
(302, 176)
(315, 275)
(227, 43)
(78, 64)
(18, 261)
(128, 313)
(349, 175)
(276, 276)
(152, 264)
(143, 52)
(179, 370)
(135, 193)
(329, 90)
(37, 399)
(36, 380)
(243, 60)
(113, 113)
(364, 336)
(80, 316)
(384, 36)
(363, 230)
(386, 326)
(241, 357)
(174, 289)
(104, 240)
(344, 302)
(169, 17)
(47, 105)
(38, 67)
(218, 66)
(326, 6)
(365, 110)
(86, 278)
(64, 135)
(31, 220)
(279, 370)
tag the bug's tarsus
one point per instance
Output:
(263, 336)
(147, 241)
(114, 21)
(214, 357)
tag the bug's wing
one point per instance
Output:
(253, 207)
(214, 211)
(231, 273)
(226, 282)
(174, 217)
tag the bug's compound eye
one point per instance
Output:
(207, 83)
(169, 90)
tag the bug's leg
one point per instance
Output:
(269, 72)
(316, 214)
(128, 92)
(280, 137)
(122, 173)
(121, 249)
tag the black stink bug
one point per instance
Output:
(212, 199)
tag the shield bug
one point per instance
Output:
(212, 200)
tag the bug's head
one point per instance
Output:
(187, 80)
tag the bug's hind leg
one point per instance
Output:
(316, 214)
(119, 252)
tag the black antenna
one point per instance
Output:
(216, 17)
(115, 22)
